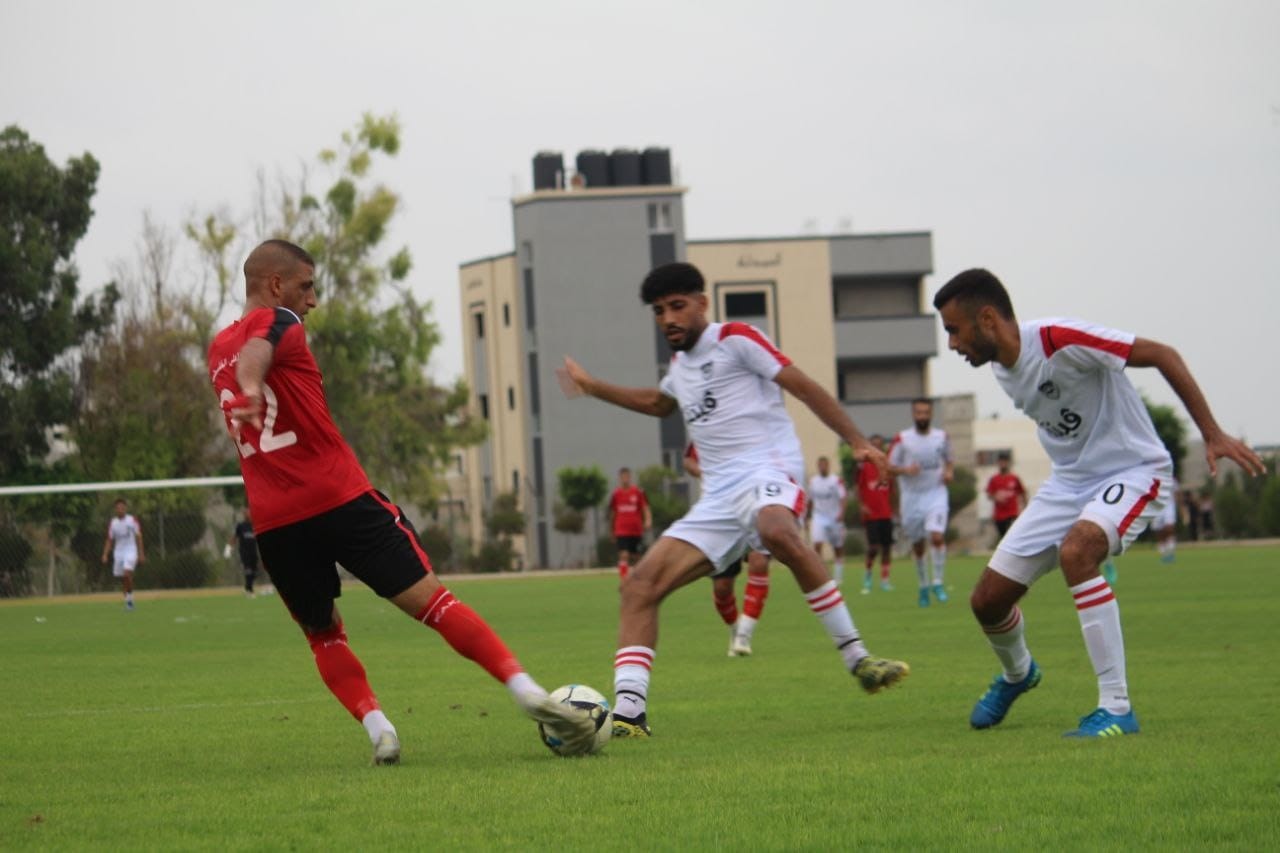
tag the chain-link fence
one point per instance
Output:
(53, 539)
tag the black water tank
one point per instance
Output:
(624, 167)
(593, 166)
(656, 163)
(548, 169)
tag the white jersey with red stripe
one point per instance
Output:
(1069, 379)
(731, 406)
(826, 496)
(931, 451)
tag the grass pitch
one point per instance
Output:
(200, 723)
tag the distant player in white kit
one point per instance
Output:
(124, 543)
(921, 459)
(1110, 477)
(1165, 525)
(827, 497)
(725, 379)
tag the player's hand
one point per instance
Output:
(1225, 446)
(912, 469)
(247, 408)
(572, 378)
(104, 559)
(876, 458)
(947, 476)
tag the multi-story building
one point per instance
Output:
(848, 309)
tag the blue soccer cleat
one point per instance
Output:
(1103, 723)
(924, 596)
(939, 593)
(995, 703)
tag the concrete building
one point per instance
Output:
(848, 309)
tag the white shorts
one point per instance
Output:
(826, 529)
(1122, 505)
(924, 515)
(723, 525)
(124, 564)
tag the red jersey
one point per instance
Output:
(298, 465)
(872, 494)
(1004, 490)
(628, 506)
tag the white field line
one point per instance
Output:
(152, 709)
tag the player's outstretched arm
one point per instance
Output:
(797, 383)
(252, 365)
(1217, 444)
(575, 382)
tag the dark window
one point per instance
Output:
(751, 304)
(533, 383)
(479, 315)
(511, 398)
(484, 406)
(515, 484)
(506, 314)
(529, 318)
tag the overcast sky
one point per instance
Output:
(1115, 161)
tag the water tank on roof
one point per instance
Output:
(624, 167)
(548, 170)
(656, 165)
(593, 166)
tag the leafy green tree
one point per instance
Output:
(665, 503)
(582, 489)
(504, 517)
(1269, 508)
(962, 490)
(372, 338)
(44, 211)
(1172, 432)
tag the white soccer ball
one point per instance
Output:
(596, 706)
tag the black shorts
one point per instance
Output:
(630, 544)
(879, 532)
(1003, 525)
(249, 561)
(369, 536)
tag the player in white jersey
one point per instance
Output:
(726, 380)
(827, 498)
(1110, 477)
(124, 543)
(921, 459)
(1165, 525)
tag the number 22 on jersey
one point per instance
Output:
(268, 440)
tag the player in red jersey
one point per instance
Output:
(629, 511)
(877, 519)
(312, 504)
(1007, 494)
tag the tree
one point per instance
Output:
(962, 490)
(1171, 430)
(582, 489)
(665, 503)
(371, 337)
(44, 211)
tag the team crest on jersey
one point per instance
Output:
(1050, 390)
(706, 370)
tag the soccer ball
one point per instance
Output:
(581, 696)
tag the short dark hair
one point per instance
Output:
(624, 470)
(974, 289)
(924, 400)
(293, 249)
(669, 279)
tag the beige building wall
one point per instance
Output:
(1018, 436)
(489, 288)
(796, 278)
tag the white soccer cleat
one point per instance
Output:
(740, 647)
(386, 750)
(571, 726)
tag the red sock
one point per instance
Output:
(623, 568)
(469, 635)
(754, 595)
(727, 607)
(871, 556)
(884, 571)
(342, 672)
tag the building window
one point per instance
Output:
(529, 317)
(511, 398)
(660, 218)
(526, 252)
(457, 460)
(506, 315)
(515, 484)
(484, 406)
(746, 304)
(479, 321)
(750, 303)
(991, 458)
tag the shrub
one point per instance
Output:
(183, 570)
(15, 568)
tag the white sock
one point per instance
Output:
(1100, 623)
(837, 570)
(939, 555)
(522, 685)
(631, 668)
(828, 605)
(128, 596)
(921, 572)
(746, 628)
(375, 723)
(1010, 646)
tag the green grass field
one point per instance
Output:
(201, 723)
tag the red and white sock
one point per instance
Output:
(727, 607)
(1009, 643)
(1100, 623)
(623, 568)
(469, 635)
(884, 570)
(342, 671)
(753, 597)
(631, 668)
(828, 605)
